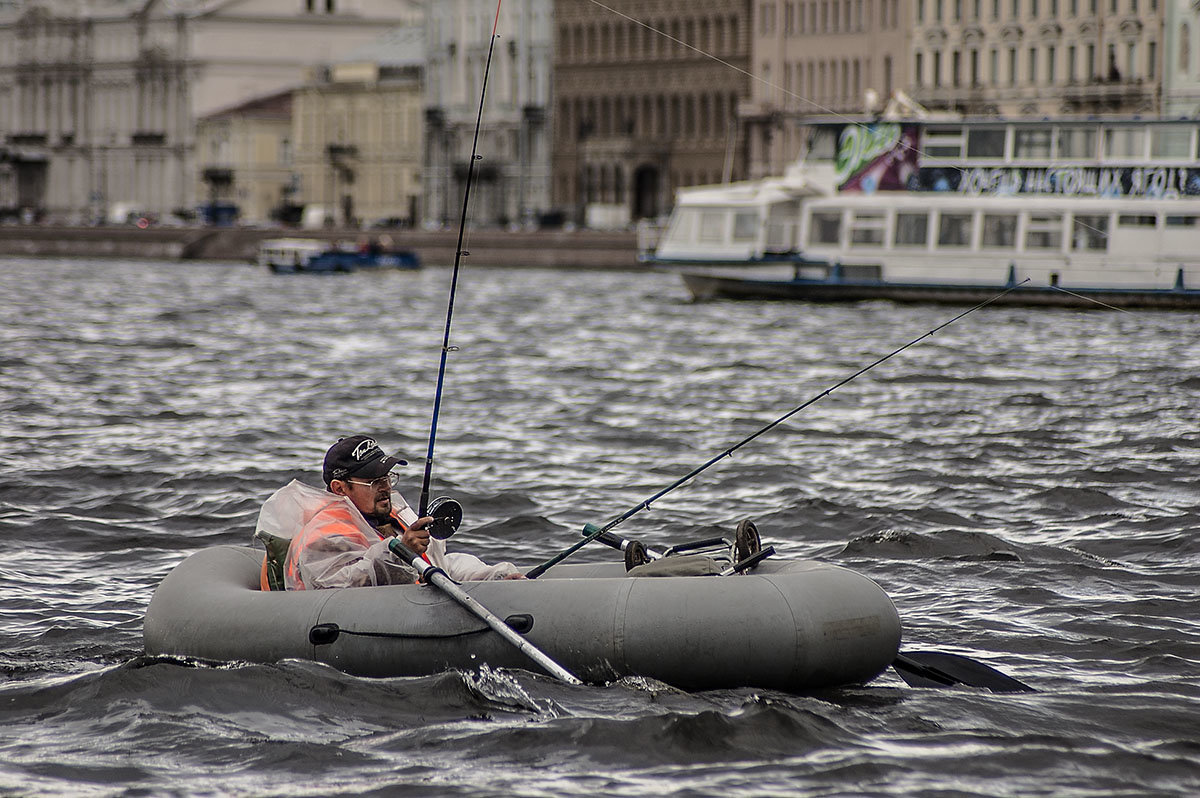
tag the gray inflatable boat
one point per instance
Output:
(788, 625)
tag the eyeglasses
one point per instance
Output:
(391, 480)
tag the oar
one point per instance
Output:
(437, 577)
(938, 669)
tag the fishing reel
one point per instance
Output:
(447, 517)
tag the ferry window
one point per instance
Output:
(943, 142)
(712, 225)
(1033, 144)
(826, 227)
(1091, 232)
(999, 230)
(1171, 141)
(954, 230)
(1077, 143)
(823, 145)
(1124, 142)
(745, 225)
(1181, 221)
(867, 230)
(1135, 220)
(912, 229)
(985, 143)
(1044, 231)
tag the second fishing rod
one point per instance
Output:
(593, 532)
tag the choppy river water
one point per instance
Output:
(1025, 485)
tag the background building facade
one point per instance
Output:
(98, 102)
(358, 132)
(1181, 59)
(1038, 57)
(643, 106)
(513, 177)
(244, 158)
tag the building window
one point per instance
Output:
(1012, 66)
(994, 58)
(1071, 64)
(1050, 74)
(1077, 143)
(919, 69)
(937, 68)
(1033, 65)
(330, 6)
(1151, 58)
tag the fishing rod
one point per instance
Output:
(592, 532)
(423, 503)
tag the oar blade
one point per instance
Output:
(939, 669)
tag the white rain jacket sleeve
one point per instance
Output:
(459, 566)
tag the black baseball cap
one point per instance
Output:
(357, 456)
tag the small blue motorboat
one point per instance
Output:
(310, 255)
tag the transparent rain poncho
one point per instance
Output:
(334, 546)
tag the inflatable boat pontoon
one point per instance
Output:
(788, 625)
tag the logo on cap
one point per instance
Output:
(363, 449)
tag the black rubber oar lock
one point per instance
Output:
(323, 634)
(522, 622)
(447, 517)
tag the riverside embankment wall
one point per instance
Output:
(587, 249)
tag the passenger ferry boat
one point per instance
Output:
(1089, 212)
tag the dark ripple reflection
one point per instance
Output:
(1023, 484)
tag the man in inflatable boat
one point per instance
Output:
(338, 537)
